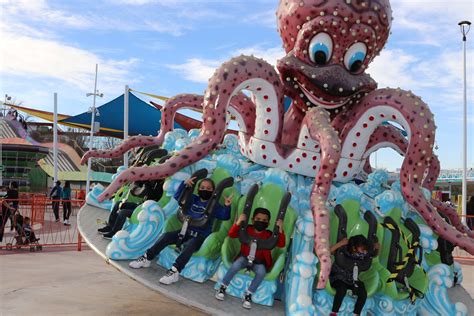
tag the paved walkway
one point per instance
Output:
(75, 283)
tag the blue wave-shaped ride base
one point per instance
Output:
(133, 241)
(198, 269)
(437, 299)
(92, 196)
(384, 305)
(97, 190)
(241, 282)
(323, 304)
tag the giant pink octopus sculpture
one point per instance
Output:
(334, 121)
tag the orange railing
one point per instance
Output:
(43, 221)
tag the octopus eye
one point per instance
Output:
(355, 56)
(320, 48)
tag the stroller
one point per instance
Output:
(23, 237)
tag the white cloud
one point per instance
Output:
(200, 70)
(39, 10)
(196, 70)
(271, 55)
(430, 22)
(264, 18)
(18, 15)
(30, 57)
(392, 69)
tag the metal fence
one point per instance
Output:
(49, 228)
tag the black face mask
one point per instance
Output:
(205, 194)
(259, 225)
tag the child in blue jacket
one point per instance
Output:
(194, 237)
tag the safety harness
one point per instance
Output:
(152, 189)
(402, 267)
(185, 202)
(256, 243)
(146, 155)
(341, 258)
(445, 249)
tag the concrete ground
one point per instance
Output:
(75, 283)
(81, 283)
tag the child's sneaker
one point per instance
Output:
(104, 230)
(141, 262)
(220, 294)
(172, 276)
(247, 300)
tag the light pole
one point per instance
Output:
(93, 111)
(465, 26)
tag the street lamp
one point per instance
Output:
(465, 27)
(94, 112)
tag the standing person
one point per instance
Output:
(81, 195)
(66, 196)
(55, 195)
(195, 236)
(470, 213)
(5, 215)
(12, 199)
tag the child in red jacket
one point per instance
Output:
(263, 258)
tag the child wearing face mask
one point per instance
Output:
(195, 236)
(358, 248)
(263, 258)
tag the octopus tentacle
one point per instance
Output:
(320, 129)
(400, 144)
(367, 167)
(238, 74)
(240, 102)
(384, 136)
(429, 183)
(191, 101)
(433, 172)
(414, 115)
(453, 217)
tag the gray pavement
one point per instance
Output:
(75, 283)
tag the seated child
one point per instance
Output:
(263, 258)
(28, 230)
(195, 236)
(357, 247)
(124, 209)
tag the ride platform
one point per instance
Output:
(198, 295)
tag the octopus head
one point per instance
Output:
(329, 44)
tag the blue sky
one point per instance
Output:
(172, 46)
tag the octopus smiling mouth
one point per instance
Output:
(320, 101)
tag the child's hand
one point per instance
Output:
(280, 225)
(344, 242)
(190, 181)
(228, 200)
(242, 218)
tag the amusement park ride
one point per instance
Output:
(314, 156)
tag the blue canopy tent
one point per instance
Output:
(144, 119)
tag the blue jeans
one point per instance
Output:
(190, 245)
(239, 264)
